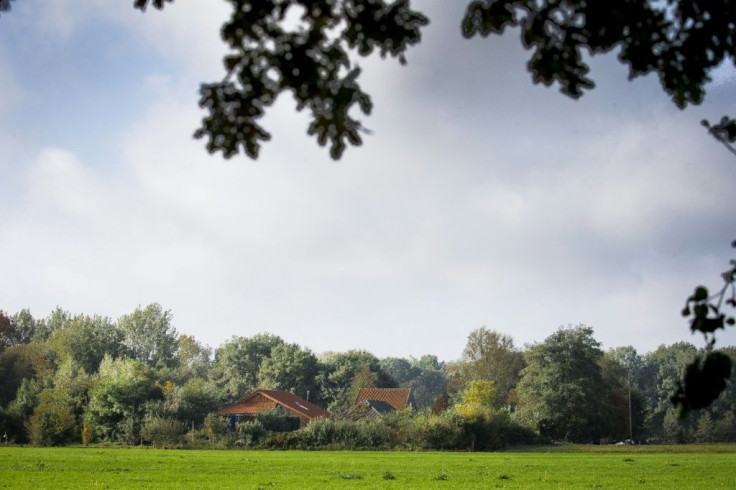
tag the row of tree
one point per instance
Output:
(78, 378)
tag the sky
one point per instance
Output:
(479, 199)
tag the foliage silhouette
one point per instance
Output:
(681, 41)
(311, 60)
(724, 132)
(707, 376)
(4, 5)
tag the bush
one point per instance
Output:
(128, 430)
(163, 431)
(517, 435)
(52, 422)
(287, 440)
(423, 430)
(214, 427)
(334, 434)
(197, 439)
(275, 422)
(326, 433)
(374, 434)
(440, 432)
(451, 431)
(485, 434)
(249, 433)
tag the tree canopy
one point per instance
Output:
(491, 356)
(53, 392)
(149, 335)
(681, 41)
(561, 389)
(303, 48)
(308, 49)
(238, 361)
(289, 368)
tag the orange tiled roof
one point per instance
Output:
(263, 400)
(398, 398)
(252, 404)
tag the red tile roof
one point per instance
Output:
(264, 400)
(399, 398)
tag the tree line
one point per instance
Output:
(75, 378)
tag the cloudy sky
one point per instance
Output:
(480, 199)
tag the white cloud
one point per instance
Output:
(60, 182)
(188, 33)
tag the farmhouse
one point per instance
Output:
(374, 402)
(282, 402)
(397, 398)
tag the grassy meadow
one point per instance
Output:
(550, 467)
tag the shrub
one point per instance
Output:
(517, 435)
(197, 439)
(345, 434)
(443, 432)
(275, 422)
(214, 427)
(163, 431)
(52, 422)
(423, 430)
(451, 431)
(129, 431)
(299, 439)
(249, 433)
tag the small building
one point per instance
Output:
(284, 402)
(397, 398)
(374, 402)
(368, 409)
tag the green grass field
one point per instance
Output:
(671, 467)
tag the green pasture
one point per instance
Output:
(670, 467)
